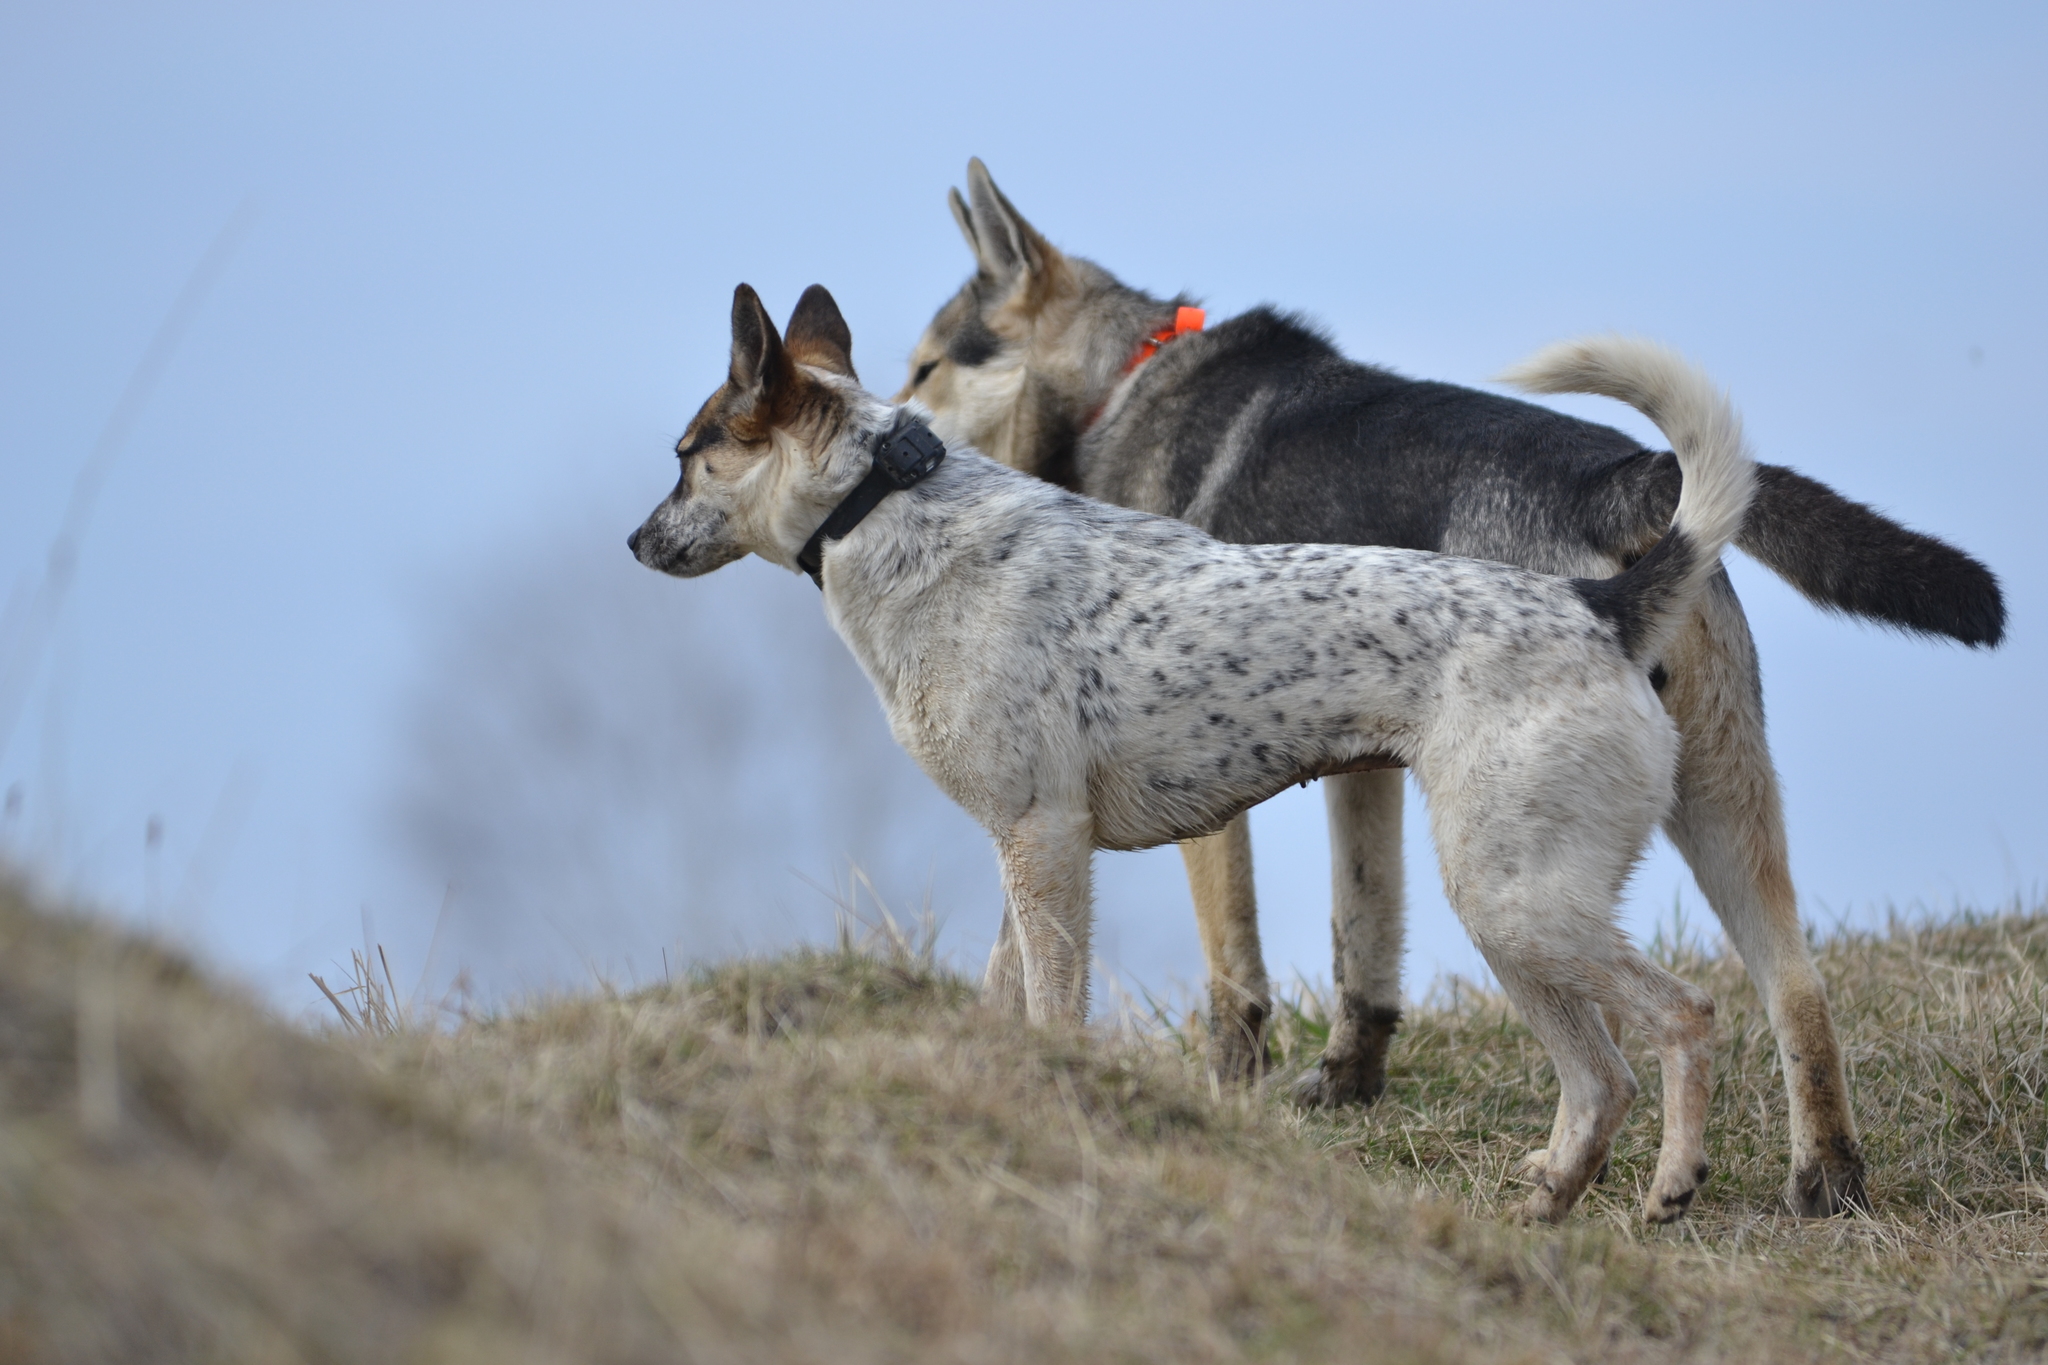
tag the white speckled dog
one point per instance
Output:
(1083, 676)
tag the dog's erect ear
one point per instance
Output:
(966, 221)
(1004, 244)
(817, 334)
(759, 364)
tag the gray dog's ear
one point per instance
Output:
(818, 335)
(759, 363)
(966, 221)
(1004, 244)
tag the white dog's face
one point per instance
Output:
(755, 476)
(714, 516)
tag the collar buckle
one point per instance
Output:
(908, 452)
(904, 454)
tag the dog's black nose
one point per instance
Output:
(633, 542)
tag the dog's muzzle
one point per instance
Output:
(653, 550)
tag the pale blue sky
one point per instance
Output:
(486, 282)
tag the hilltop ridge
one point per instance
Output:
(837, 1154)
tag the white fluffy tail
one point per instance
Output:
(1649, 600)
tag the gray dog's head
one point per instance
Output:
(1015, 362)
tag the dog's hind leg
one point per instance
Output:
(1729, 825)
(1677, 1018)
(1227, 912)
(1046, 903)
(1366, 924)
(1534, 860)
(1542, 932)
(1595, 1085)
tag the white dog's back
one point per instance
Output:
(1169, 680)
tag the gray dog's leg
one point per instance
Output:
(1366, 924)
(1729, 825)
(1227, 912)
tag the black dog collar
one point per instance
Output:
(905, 453)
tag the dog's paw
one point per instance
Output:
(1236, 1059)
(1335, 1082)
(1830, 1183)
(1544, 1205)
(1659, 1209)
(1307, 1090)
(1671, 1193)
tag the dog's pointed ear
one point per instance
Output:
(759, 364)
(817, 334)
(1003, 242)
(965, 219)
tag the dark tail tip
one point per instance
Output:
(1845, 557)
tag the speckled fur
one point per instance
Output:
(1079, 675)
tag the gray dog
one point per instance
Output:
(1259, 431)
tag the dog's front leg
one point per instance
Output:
(1003, 987)
(1046, 906)
(1227, 913)
(1366, 928)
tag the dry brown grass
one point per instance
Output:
(1945, 1028)
(837, 1155)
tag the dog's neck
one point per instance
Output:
(1186, 320)
(880, 577)
(795, 492)
(901, 456)
(1075, 369)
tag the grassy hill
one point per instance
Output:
(836, 1155)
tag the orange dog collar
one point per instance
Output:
(1184, 320)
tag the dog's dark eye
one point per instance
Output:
(706, 438)
(974, 344)
(924, 372)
